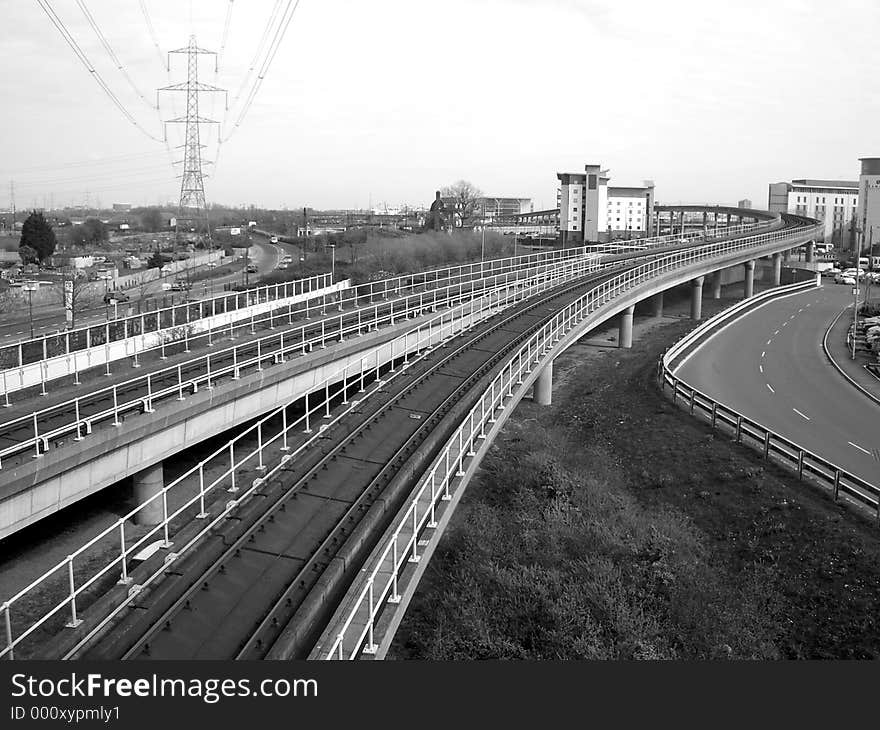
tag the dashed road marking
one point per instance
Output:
(859, 447)
(784, 323)
(802, 415)
(761, 368)
(770, 387)
(775, 333)
(763, 353)
(770, 340)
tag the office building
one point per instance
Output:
(591, 210)
(744, 203)
(832, 201)
(867, 227)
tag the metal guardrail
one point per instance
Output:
(80, 338)
(267, 350)
(333, 389)
(356, 634)
(273, 348)
(751, 433)
(66, 342)
(539, 342)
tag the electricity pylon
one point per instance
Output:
(192, 208)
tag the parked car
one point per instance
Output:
(118, 296)
(252, 269)
(833, 271)
(181, 285)
(844, 279)
(273, 239)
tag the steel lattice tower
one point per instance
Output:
(192, 208)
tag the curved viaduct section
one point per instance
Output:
(365, 621)
(361, 621)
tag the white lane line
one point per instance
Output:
(784, 323)
(809, 303)
(800, 414)
(770, 340)
(776, 333)
(802, 309)
(859, 447)
(761, 368)
(770, 387)
(763, 353)
(792, 317)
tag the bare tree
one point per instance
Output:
(83, 295)
(464, 197)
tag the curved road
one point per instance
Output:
(770, 366)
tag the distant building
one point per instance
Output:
(491, 210)
(744, 203)
(868, 213)
(591, 210)
(121, 207)
(831, 201)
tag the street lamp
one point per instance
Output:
(30, 287)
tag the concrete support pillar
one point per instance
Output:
(777, 269)
(728, 220)
(786, 255)
(657, 305)
(625, 336)
(750, 278)
(697, 298)
(543, 391)
(716, 284)
(145, 484)
(811, 251)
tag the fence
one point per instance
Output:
(380, 577)
(414, 343)
(457, 449)
(751, 433)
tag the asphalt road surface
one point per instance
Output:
(769, 365)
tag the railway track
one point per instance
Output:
(292, 550)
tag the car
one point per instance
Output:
(118, 296)
(251, 269)
(833, 271)
(844, 279)
(273, 239)
(181, 285)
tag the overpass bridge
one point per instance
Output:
(301, 541)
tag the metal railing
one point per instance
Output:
(66, 342)
(80, 338)
(458, 448)
(42, 373)
(153, 387)
(383, 569)
(335, 388)
(751, 433)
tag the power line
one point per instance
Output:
(225, 29)
(152, 32)
(259, 52)
(113, 57)
(32, 184)
(267, 62)
(87, 163)
(80, 54)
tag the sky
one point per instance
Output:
(372, 101)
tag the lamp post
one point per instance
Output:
(332, 262)
(30, 287)
(483, 244)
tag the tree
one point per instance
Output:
(28, 255)
(92, 231)
(157, 261)
(83, 295)
(464, 196)
(37, 234)
(151, 220)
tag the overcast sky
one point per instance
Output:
(388, 100)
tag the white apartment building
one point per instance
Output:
(868, 212)
(832, 201)
(591, 210)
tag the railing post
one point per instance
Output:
(8, 622)
(74, 621)
(124, 580)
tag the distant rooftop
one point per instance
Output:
(827, 183)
